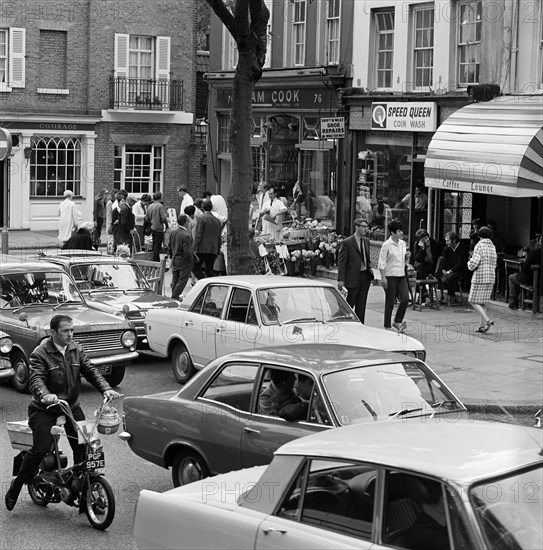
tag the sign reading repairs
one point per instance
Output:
(333, 127)
(404, 116)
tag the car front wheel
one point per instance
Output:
(22, 372)
(188, 466)
(183, 369)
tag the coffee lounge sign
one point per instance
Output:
(404, 116)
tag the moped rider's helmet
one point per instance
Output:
(109, 421)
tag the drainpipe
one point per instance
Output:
(513, 50)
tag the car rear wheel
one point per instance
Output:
(183, 369)
(21, 376)
(188, 466)
(116, 376)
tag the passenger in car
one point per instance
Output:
(278, 393)
(429, 532)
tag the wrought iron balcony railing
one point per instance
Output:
(147, 94)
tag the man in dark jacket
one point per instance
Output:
(525, 276)
(452, 266)
(354, 268)
(81, 239)
(207, 241)
(425, 253)
(56, 366)
(157, 216)
(180, 251)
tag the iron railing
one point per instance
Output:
(146, 94)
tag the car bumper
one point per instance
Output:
(119, 359)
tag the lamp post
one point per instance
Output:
(5, 150)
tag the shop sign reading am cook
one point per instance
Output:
(404, 116)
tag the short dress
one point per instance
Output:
(483, 264)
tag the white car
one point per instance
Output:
(437, 484)
(222, 315)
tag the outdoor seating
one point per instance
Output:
(529, 294)
(430, 285)
(153, 272)
(459, 291)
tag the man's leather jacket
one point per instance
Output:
(51, 372)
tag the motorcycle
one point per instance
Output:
(82, 485)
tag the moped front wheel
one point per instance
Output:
(37, 494)
(99, 503)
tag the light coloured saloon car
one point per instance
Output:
(222, 315)
(462, 485)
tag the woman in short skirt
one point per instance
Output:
(483, 264)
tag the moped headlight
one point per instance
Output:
(6, 344)
(128, 339)
(95, 444)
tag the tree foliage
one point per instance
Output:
(246, 21)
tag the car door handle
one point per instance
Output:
(251, 430)
(188, 323)
(267, 530)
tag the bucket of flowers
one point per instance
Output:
(311, 258)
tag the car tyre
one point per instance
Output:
(188, 466)
(21, 377)
(183, 369)
(116, 376)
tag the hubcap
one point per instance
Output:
(183, 364)
(20, 372)
(190, 471)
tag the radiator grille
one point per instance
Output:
(96, 343)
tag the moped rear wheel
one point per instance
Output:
(99, 503)
(37, 495)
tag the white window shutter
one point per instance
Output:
(121, 55)
(163, 57)
(17, 51)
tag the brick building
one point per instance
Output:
(96, 94)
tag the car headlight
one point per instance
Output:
(128, 339)
(6, 344)
(419, 354)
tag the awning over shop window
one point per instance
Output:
(494, 148)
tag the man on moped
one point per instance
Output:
(56, 366)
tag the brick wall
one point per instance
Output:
(52, 67)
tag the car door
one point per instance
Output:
(239, 330)
(225, 409)
(200, 323)
(329, 505)
(264, 432)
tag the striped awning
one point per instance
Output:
(494, 148)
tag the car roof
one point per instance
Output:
(462, 451)
(82, 259)
(319, 357)
(264, 281)
(14, 264)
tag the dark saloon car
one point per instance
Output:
(226, 417)
(113, 285)
(31, 293)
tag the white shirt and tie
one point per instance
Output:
(364, 264)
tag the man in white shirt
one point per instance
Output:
(67, 217)
(274, 214)
(186, 199)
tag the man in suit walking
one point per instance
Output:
(207, 241)
(180, 251)
(354, 268)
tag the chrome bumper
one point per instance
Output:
(115, 359)
(6, 373)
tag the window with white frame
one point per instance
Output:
(223, 144)
(12, 58)
(423, 55)
(140, 63)
(269, 27)
(469, 31)
(332, 31)
(298, 34)
(55, 166)
(138, 168)
(384, 25)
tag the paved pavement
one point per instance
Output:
(503, 367)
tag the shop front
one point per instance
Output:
(289, 150)
(50, 156)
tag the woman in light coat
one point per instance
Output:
(483, 264)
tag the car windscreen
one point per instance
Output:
(382, 392)
(37, 287)
(509, 509)
(302, 303)
(123, 276)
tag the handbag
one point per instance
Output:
(147, 227)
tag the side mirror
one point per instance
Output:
(23, 317)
